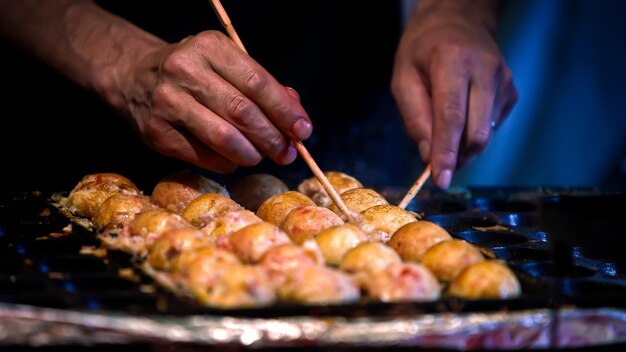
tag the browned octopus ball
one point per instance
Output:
(252, 190)
(382, 221)
(369, 256)
(412, 240)
(216, 278)
(229, 222)
(335, 241)
(448, 258)
(171, 244)
(251, 242)
(400, 282)
(182, 263)
(175, 191)
(121, 208)
(319, 285)
(359, 199)
(486, 280)
(305, 222)
(340, 181)
(92, 190)
(280, 260)
(208, 207)
(151, 224)
(241, 286)
(276, 207)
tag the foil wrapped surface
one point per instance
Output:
(535, 328)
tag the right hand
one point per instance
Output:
(205, 101)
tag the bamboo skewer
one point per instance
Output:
(416, 187)
(304, 153)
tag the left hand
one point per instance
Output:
(451, 82)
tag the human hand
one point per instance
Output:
(451, 82)
(205, 101)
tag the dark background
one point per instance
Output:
(568, 127)
(338, 61)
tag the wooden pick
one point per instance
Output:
(416, 187)
(304, 153)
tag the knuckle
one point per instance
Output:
(492, 61)
(456, 52)
(222, 136)
(241, 110)
(175, 63)
(209, 39)
(276, 144)
(254, 80)
(478, 140)
(453, 112)
(163, 97)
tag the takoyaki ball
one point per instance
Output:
(92, 190)
(400, 282)
(341, 182)
(280, 260)
(412, 240)
(181, 264)
(177, 190)
(120, 208)
(251, 191)
(384, 219)
(319, 285)
(369, 256)
(151, 224)
(242, 286)
(305, 222)
(486, 280)
(251, 242)
(208, 207)
(335, 241)
(359, 199)
(231, 221)
(276, 207)
(448, 258)
(171, 244)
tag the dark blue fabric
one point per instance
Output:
(569, 127)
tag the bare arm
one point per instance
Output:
(451, 82)
(201, 100)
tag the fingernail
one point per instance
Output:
(302, 129)
(444, 179)
(424, 149)
(289, 155)
(293, 93)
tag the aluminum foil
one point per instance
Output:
(538, 328)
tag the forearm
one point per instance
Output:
(482, 10)
(76, 37)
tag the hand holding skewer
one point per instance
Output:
(225, 20)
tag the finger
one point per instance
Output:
(229, 103)
(211, 130)
(478, 129)
(256, 83)
(413, 101)
(450, 84)
(294, 94)
(182, 145)
(505, 99)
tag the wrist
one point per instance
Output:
(483, 11)
(109, 47)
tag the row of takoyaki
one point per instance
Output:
(285, 245)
